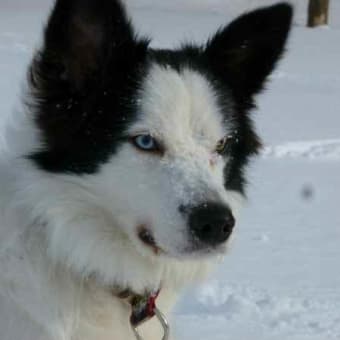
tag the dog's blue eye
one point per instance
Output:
(145, 142)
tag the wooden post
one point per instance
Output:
(318, 13)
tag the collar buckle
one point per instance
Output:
(143, 309)
(162, 320)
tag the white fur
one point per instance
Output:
(66, 239)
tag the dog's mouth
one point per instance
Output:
(146, 237)
(194, 251)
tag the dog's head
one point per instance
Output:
(159, 139)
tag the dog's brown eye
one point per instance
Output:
(223, 144)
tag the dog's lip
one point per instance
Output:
(146, 237)
(201, 250)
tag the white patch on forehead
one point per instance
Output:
(180, 106)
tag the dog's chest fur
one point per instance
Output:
(53, 305)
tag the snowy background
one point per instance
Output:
(281, 280)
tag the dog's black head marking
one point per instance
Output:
(86, 78)
(84, 81)
(246, 51)
(241, 56)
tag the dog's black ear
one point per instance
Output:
(245, 52)
(83, 35)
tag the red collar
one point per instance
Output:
(143, 308)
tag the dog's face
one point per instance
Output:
(160, 138)
(165, 185)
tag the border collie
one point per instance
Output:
(124, 170)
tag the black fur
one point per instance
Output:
(85, 80)
(84, 83)
(241, 56)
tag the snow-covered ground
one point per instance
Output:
(281, 280)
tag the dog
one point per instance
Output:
(124, 170)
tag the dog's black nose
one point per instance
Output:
(211, 223)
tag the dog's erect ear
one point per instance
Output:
(245, 52)
(82, 35)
